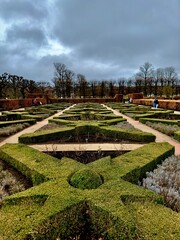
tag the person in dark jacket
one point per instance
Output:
(156, 103)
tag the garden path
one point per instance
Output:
(160, 137)
(33, 128)
(70, 146)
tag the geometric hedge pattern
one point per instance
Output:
(117, 209)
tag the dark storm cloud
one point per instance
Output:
(12, 10)
(113, 31)
(26, 34)
(105, 39)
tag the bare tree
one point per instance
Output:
(103, 88)
(138, 84)
(59, 79)
(93, 88)
(111, 88)
(177, 86)
(69, 76)
(15, 82)
(32, 86)
(23, 86)
(121, 85)
(158, 79)
(145, 74)
(170, 77)
(4, 83)
(83, 85)
(130, 84)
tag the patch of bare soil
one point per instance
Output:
(11, 181)
(50, 126)
(86, 156)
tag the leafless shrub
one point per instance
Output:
(164, 128)
(165, 180)
(50, 126)
(8, 183)
(125, 125)
(10, 130)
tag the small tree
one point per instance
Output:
(167, 91)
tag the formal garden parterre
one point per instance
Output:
(97, 200)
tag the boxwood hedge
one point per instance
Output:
(117, 209)
(89, 129)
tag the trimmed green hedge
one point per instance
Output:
(113, 121)
(86, 179)
(62, 121)
(131, 135)
(117, 209)
(84, 128)
(145, 115)
(46, 135)
(8, 123)
(177, 135)
(164, 121)
(78, 117)
(38, 117)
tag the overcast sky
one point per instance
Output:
(102, 39)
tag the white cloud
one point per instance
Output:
(53, 48)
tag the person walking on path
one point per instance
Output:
(155, 103)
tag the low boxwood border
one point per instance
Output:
(46, 135)
(177, 135)
(84, 128)
(8, 123)
(164, 121)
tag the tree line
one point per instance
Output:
(67, 84)
(149, 81)
(14, 86)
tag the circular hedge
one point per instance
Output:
(86, 179)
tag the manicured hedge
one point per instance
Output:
(167, 104)
(46, 135)
(135, 95)
(177, 135)
(8, 123)
(84, 128)
(117, 98)
(117, 209)
(38, 117)
(10, 116)
(62, 121)
(111, 121)
(123, 134)
(164, 121)
(145, 115)
(9, 104)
